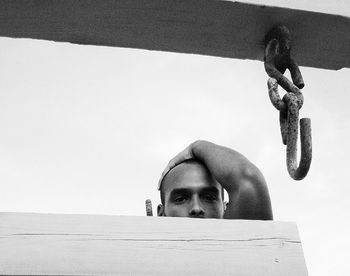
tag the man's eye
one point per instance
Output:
(180, 199)
(210, 198)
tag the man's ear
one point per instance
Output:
(160, 210)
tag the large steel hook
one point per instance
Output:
(289, 122)
(277, 60)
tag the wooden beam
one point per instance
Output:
(218, 28)
(42, 244)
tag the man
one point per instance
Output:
(192, 185)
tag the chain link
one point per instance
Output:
(277, 60)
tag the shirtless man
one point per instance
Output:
(192, 185)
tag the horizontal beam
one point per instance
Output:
(41, 244)
(217, 28)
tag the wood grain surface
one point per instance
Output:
(52, 244)
(233, 29)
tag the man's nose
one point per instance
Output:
(196, 209)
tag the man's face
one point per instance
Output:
(191, 191)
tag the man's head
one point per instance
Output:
(189, 190)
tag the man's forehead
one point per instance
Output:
(192, 175)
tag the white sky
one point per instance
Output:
(340, 7)
(89, 129)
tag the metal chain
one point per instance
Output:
(277, 60)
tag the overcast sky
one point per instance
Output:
(89, 129)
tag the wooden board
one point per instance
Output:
(207, 27)
(42, 244)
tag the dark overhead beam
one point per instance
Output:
(206, 27)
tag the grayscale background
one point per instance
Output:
(88, 130)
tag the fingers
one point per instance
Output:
(184, 155)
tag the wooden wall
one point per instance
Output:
(43, 244)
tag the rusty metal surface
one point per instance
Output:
(277, 61)
(295, 170)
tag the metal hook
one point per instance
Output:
(289, 122)
(277, 60)
(296, 171)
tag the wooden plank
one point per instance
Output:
(42, 244)
(207, 27)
